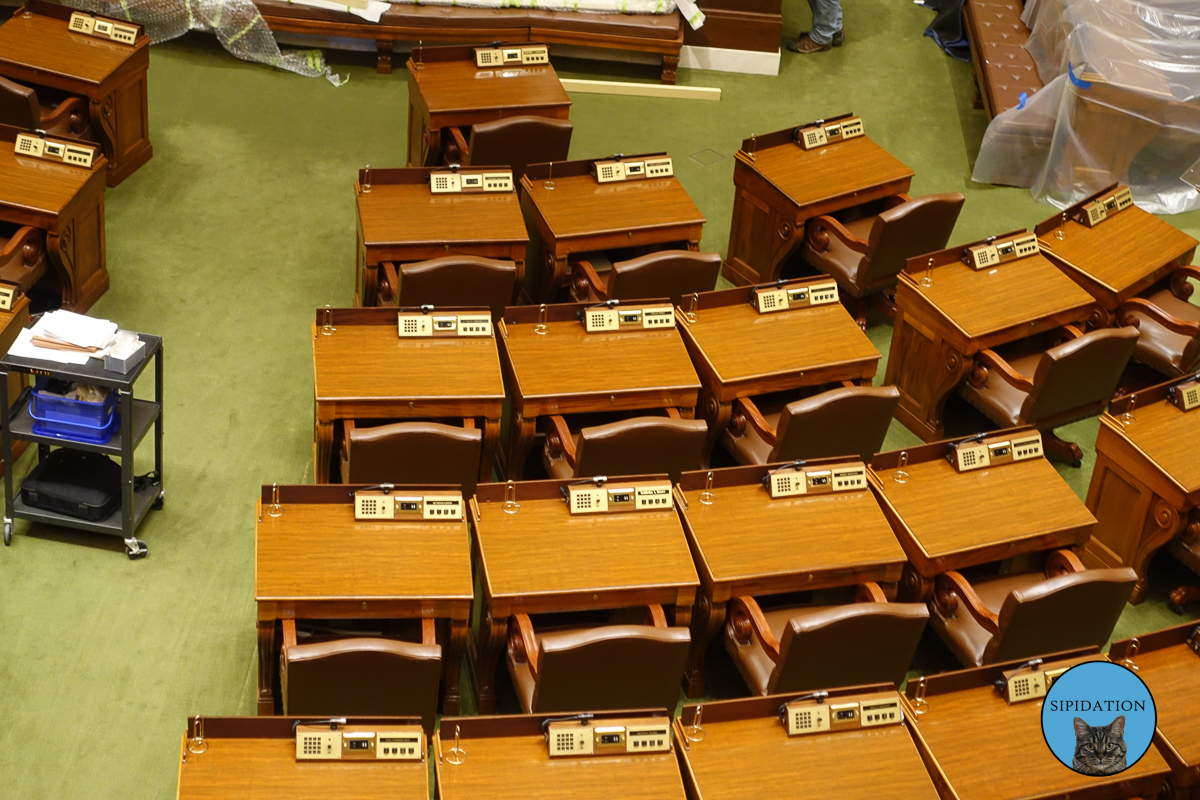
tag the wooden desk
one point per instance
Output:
(580, 215)
(446, 89)
(506, 759)
(570, 371)
(1171, 670)
(815, 542)
(779, 185)
(949, 520)
(737, 351)
(37, 48)
(315, 561)
(254, 758)
(965, 717)
(364, 370)
(544, 559)
(400, 220)
(1145, 487)
(67, 202)
(1123, 255)
(747, 754)
(11, 323)
(939, 328)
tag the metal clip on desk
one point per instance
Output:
(137, 416)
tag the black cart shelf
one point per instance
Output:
(138, 417)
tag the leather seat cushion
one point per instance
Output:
(653, 26)
(962, 633)
(999, 400)
(753, 662)
(1160, 348)
(839, 261)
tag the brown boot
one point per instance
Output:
(806, 45)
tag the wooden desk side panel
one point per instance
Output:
(79, 246)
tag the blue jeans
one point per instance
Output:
(826, 20)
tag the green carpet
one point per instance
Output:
(227, 240)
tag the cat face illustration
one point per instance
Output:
(1099, 749)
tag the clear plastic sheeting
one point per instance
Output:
(237, 24)
(1121, 103)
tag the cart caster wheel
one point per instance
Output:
(7, 534)
(158, 503)
(136, 549)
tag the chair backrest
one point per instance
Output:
(848, 645)
(850, 421)
(1079, 609)
(415, 452)
(921, 225)
(666, 273)
(517, 142)
(19, 106)
(459, 281)
(614, 666)
(641, 446)
(1079, 373)
(362, 677)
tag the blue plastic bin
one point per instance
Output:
(73, 420)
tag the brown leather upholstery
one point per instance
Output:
(920, 225)
(665, 273)
(1037, 615)
(414, 452)
(518, 142)
(848, 421)
(1004, 69)
(361, 677)
(23, 257)
(1168, 351)
(823, 647)
(20, 108)
(459, 281)
(1071, 381)
(612, 666)
(636, 446)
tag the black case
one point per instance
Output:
(76, 483)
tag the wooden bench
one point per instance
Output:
(1003, 67)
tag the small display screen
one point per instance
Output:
(409, 506)
(358, 744)
(847, 714)
(610, 738)
(820, 481)
(623, 497)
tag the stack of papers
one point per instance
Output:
(66, 338)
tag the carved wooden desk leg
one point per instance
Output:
(490, 644)
(266, 667)
(322, 451)
(914, 587)
(707, 619)
(459, 629)
(558, 272)
(491, 438)
(520, 442)
(717, 415)
(926, 370)
(383, 56)
(669, 65)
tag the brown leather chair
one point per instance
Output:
(1068, 382)
(1023, 615)
(22, 257)
(848, 421)
(361, 677)
(20, 108)
(514, 142)
(450, 281)
(665, 273)
(598, 668)
(800, 648)
(1169, 325)
(636, 446)
(865, 256)
(413, 452)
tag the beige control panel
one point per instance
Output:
(990, 254)
(505, 56)
(381, 504)
(590, 498)
(357, 743)
(1186, 395)
(1100, 209)
(28, 144)
(631, 169)
(822, 133)
(469, 181)
(102, 28)
(792, 481)
(608, 737)
(415, 325)
(606, 320)
(821, 715)
(1033, 679)
(995, 450)
(767, 300)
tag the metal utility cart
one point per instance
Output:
(137, 417)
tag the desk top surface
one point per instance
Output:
(1122, 249)
(1173, 676)
(742, 344)
(318, 551)
(44, 43)
(755, 758)
(979, 302)
(450, 86)
(961, 726)
(794, 535)
(569, 361)
(543, 549)
(1025, 506)
(347, 366)
(411, 214)
(579, 206)
(37, 185)
(266, 769)
(810, 176)
(1167, 436)
(518, 768)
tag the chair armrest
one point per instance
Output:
(1063, 562)
(1142, 306)
(523, 642)
(73, 110)
(987, 361)
(896, 200)
(1070, 333)
(819, 230)
(456, 150)
(672, 412)
(748, 620)
(428, 631)
(347, 429)
(950, 589)
(389, 285)
(655, 616)
(586, 282)
(559, 440)
(468, 423)
(1179, 285)
(744, 411)
(869, 592)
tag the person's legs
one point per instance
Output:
(827, 21)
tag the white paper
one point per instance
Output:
(76, 329)
(371, 13)
(24, 347)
